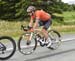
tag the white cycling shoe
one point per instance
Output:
(48, 42)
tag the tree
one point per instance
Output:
(7, 9)
(16, 9)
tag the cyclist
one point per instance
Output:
(41, 18)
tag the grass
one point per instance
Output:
(69, 18)
(69, 15)
(65, 29)
(13, 29)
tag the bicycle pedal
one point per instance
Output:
(42, 44)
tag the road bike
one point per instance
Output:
(7, 47)
(36, 39)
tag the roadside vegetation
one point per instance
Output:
(12, 28)
(13, 15)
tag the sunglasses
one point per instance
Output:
(29, 12)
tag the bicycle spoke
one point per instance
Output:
(55, 37)
(23, 47)
(7, 47)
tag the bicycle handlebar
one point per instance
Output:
(24, 28)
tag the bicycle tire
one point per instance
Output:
(14, 47)
(59, 36)
(19, 46)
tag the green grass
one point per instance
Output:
(12, 28)
(69, 18)
(69, 15)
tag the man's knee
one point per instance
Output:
(45, 28)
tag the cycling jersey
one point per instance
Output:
(41, 15)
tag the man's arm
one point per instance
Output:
(31, 22)
(36, 23)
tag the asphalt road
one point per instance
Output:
(66, 52)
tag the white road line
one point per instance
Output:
(68, 39)
(65, 40)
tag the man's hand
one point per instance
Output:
(29, 27)
(31, 30)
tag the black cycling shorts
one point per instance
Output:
(46, 24)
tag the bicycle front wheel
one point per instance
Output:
(7, 47)
(25, 48)
(55, 38)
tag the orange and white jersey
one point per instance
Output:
(41, 15)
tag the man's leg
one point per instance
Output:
(45, 28)
(45, 32)
(47, 41)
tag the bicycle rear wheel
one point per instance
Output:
(22, 44)
(7, 47)
(55, 38)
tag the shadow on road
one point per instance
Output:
(50, 55)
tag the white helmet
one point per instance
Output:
(31, 8)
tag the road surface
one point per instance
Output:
(66, 52)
